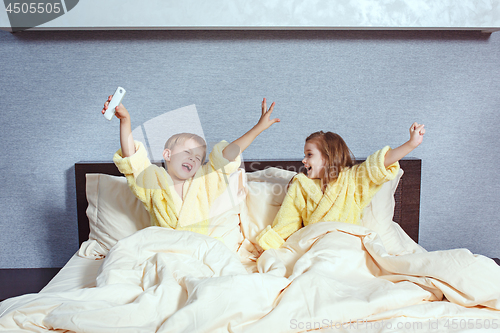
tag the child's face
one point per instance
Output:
(314, 161)
(184, 159)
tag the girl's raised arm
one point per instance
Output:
(417, 132)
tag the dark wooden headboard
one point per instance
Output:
(407, 196)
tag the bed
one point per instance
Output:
(332, 276)
(407, 195)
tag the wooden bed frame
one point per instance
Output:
(407, 195)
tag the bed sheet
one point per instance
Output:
(327, 273)
(78, 273)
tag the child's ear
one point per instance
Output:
(166, 155)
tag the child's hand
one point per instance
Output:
(417, 132)
(242, 143)
(120, 111)
(265, 122)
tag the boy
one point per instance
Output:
(180, 197)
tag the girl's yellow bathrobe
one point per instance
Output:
(343, 200)
(154, 187)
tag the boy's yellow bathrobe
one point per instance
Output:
(343, 200)
(154, 187)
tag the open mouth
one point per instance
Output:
(187, 167)
(308, 169)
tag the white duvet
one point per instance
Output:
(329, 277)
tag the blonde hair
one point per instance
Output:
(336, 153)
(183, 137)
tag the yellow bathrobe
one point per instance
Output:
(343, 200)
(154, 187)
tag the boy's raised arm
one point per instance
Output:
(239, 145)
(126, 138)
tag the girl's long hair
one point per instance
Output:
(336, 153)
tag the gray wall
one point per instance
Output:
(368, 86)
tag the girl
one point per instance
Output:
(333, 188)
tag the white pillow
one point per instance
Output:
(115, 213)
(378, 216)
(266, 190)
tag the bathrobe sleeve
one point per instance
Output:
(147, 181)
(217, 162)
(216, 172)
(370, 175)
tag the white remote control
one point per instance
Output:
(115, 101)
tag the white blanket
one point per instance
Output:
(329, 276)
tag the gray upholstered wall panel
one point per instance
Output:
(368, 86)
